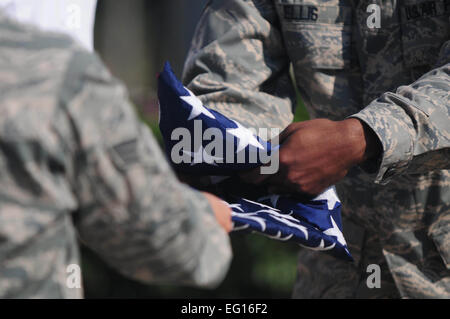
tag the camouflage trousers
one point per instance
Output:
(324, 276)
(398, 227)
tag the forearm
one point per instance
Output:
(412, 125)
(150, 227)
(132, 209)
(365, 143)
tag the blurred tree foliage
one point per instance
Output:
(129, 39)
(261, 268)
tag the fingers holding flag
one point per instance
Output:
(304, 155)
(314, 155)
(221, 210)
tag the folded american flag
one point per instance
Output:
(203, 142)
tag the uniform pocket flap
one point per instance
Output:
(442, 242)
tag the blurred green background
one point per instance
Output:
(134, 38)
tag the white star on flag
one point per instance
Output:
(310, 223)
(330, 196)
(252, 216)
(245, 137)
(273, 199)
(334, 231)
(197, 106)
(321, 246)
(278, 236)
(201, 156)
(237, 206)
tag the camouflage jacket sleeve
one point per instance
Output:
(132, 210)
(238, 65)
(413, 124)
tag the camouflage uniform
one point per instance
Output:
(76, 161)
(239, 64)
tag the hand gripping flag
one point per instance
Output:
(202, 142)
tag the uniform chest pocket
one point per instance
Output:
(425, 27)
(316, 35)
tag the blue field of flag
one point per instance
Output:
(202, 142)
